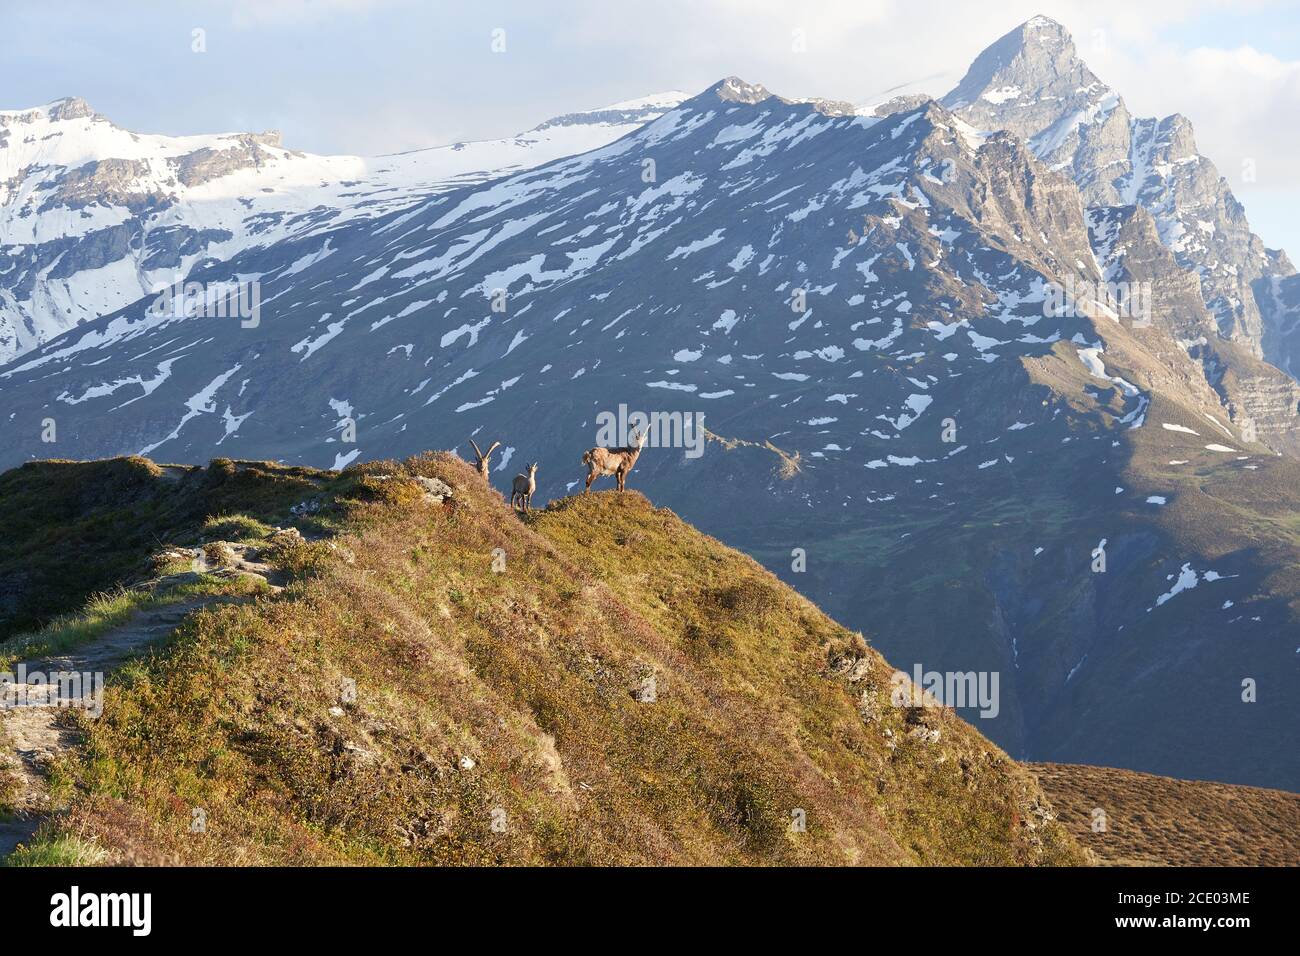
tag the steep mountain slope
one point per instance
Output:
(1032, 83)
(1279, 301)
(93, 216)
(441, 682)
(906, 420)
(1259, 400)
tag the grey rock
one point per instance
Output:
(204, 165)
(901, 104)
(435, 489)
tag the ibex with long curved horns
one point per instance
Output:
(613, 461)
(483, 457)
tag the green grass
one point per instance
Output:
(763, 705)
(58, 851)
(236, 527)
(104, 612)
(105, 519)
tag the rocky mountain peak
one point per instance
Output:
(1033, 84)
(734, 89)
(68, 108)
(1026, 80)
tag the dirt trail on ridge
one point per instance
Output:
(32, 734)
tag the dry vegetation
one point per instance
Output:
(503, 716)
(1154, 820)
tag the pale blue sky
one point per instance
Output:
(373, 76)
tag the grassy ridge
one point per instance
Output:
(599, 683)
(74, 529)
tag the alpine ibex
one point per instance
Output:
(523, 489)
(483, 457)
(613, 461)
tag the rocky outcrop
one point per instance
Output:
(900, 104)
(1261, 400)
(1278, 295)
(106, 182)
(204, 165)
(70, 108)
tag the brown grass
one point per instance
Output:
(1154, 820)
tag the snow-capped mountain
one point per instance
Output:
(1033, 83)
(417, 292)
(93, 216)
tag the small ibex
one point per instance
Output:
(523, 489)
(483, 457)
(613, 461)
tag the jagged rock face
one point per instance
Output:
(1128, 248)
(1278, 296)
(1033, 83)
(1262, 401)
(114, 182)
(74, 188)
(1021, 186)
(1201, 222)
(70, 108)
(1027, 83)
(860, 307)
